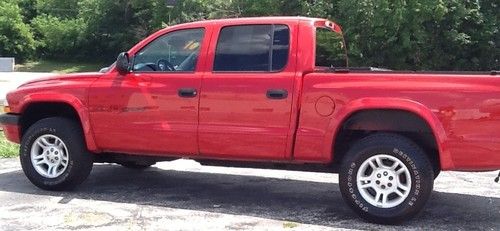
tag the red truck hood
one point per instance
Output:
(63, 77)
(74, 85)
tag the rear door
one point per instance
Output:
(246, 100)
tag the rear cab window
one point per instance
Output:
(330, 51)
(252, 48)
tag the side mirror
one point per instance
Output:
(123, 63)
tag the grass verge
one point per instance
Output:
(7, 149)
(59, 67)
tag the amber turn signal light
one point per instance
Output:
(6, 109)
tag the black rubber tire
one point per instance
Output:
(410, 154)
(436, 173)
(137, 166)
(80, 160)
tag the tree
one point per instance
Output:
(410, 34)
(63, 9)
(16, 39)
(422, 34)
(59, 38)
(465, 36)
(115, 26)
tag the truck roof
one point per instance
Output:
(247, 20)
(252, 20)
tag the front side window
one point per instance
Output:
(177, 51)
(261, 48)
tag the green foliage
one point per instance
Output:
(422, 34)
(115, 26)
(16, 39)
(7, 149)
(63, 9)
(410, 34)
(59, 38)
(329, 49)
(28, 10)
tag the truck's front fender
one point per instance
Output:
(69, 99)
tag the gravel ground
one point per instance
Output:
(182, 195)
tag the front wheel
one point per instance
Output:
(386, 178)
(53, 154)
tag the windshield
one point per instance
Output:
(330, 49)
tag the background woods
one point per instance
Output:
(406, 34)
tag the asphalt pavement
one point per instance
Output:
(183, 195)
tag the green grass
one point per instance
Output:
(290, 225)
(7, 149)
(59, 66)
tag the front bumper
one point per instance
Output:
(9, 119)
(10, 125)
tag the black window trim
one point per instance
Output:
(169, 72)
(273, 25)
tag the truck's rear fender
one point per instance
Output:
(344, 117)
(50, 100)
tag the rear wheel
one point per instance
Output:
(386, 178)
(53, 154)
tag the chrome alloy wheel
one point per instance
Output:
(49, 156)
(384, 181)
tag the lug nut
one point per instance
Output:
(57, 152)
(51, 149)
(57, 158)
(390, 185)
(385, 173)
(378, 175)
(378, 182)
(383, 186)
(391, 178)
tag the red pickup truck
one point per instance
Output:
(261, 92)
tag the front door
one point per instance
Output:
(245, 104)
(153, 109)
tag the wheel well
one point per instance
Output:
(37, 111)
(366, 122)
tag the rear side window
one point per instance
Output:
(329, 49)
(261, 48)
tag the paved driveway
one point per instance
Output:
(183, 195)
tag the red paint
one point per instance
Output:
(325, 106)
(237, 120)
(142, 113)
(70, 89)
(11, 133)
(231, 118)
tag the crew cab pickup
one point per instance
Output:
(261, 92)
